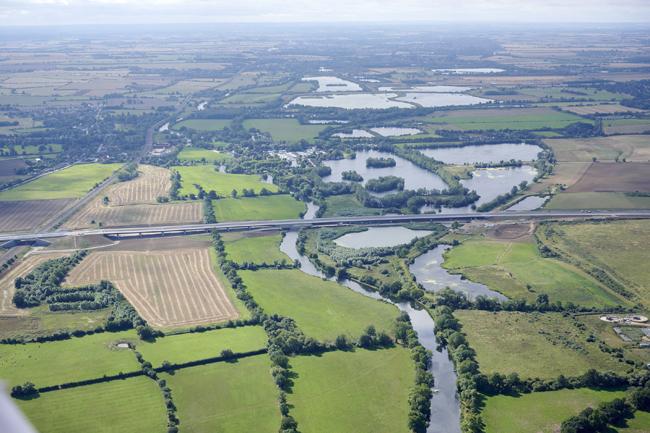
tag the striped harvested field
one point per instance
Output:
(168, 288)
(28, 215)
(139, 214)
(21, 269)
(151, 183)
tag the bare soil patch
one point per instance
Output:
(28, 215)
(614, 177)
(8, 167)
(152, 182)
(160, 243)
(585, 110)
(511, 232)
(564, 173)
(137, 215)
(170, 288)
(630, 147)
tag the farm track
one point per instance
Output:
(168, 288)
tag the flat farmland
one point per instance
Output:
(8, 168)
(289, 130)
(564, 173)
(614, 177)
(254, 248)
(540, 412)
(597, 200)
(152, 182)
(586, 110)
(226, 397)
(362, 391)
(131, 405)
(203, 124)
(71, 182)
(626, 126)
(508, 118)
(27, 215)
(139, 214)
(168, 288)
(270, 207)
(634, 148)
(190, 153)
(222, 183)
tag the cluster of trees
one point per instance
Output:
(593, 420)
(276, 264)
(176, 185)
(385, 183)
(148, 370)
(323, 170)
(7, 264)
(420, 396)
(208, 212)
(639, 89)
(128, 172)
(380, 162)
(25, 391)
(352, 176)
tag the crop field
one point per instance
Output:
(171, 288)
(203, 124)
(617, 247)
(288, 130)
(626, 126)
(533, 345)
(586, 110)
(222, 183)
(234, 397)
(244, 99)
(123, 405)
(270, 207)
(190, 153)
(573, 93)
(8, 168)
(181, 348)
(27, 215)
(72, 182)
(540, 412)
(517, 270)
(254, 249)
(614, 177)
(322, 309)
(58, 362)
(564, 173)
(139, 214)
(22, 268)
(361, 391)
(516, 119)
(152, 182)
(597, 200)
(640, 423)
(631, 147)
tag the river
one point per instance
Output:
(445, 406)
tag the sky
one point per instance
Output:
(67, 12)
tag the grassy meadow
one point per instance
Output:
(200, 345)
(322, 309)
(222, 183)
(361, 391)
(270, 207)
(71, 182)
(203, 124)
(254, 249)
(237, 397)
(130, 405)
(289, 130)
(190, 153)
(539, 412)
(517, 270)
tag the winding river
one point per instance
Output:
(445, 406)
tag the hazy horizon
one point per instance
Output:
(118, 12)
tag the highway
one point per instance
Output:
(321, 222)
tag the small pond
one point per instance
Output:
(393, 131)
(356, 133)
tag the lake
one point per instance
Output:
(462, 71)
(429, 272)
(427, 89)
(414, 176)
(376, 237)
(334, 84)
(489, 183)
(489, 153)
(442, 99)
(352, 102)
(529, 203)
(356, 133)
(393, 131)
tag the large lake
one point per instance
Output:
(465, 71)
(352, 102)
(489, 183)
(427, 89)
(376, 237)
(334, 84)
(414, 176)
(442, 99)
(490, 153)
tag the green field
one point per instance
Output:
(517, 270)
(271, 207)
(64, 361)
(250, 98)
(42, 321)
(254, 249)
(131, 405)
(592, 244)
(237, 397)
(515, 119)
(72, 182)
(203, 124)
(289, 130)
(640, 423)
(201, 345)
(29, 149)
(597, 200)
(582, 93)
(533, 345)
(362, 391)
(631, 147)
(222, 183)
(190, 153)
(322, 309)
(346, 205)
(539, 412)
